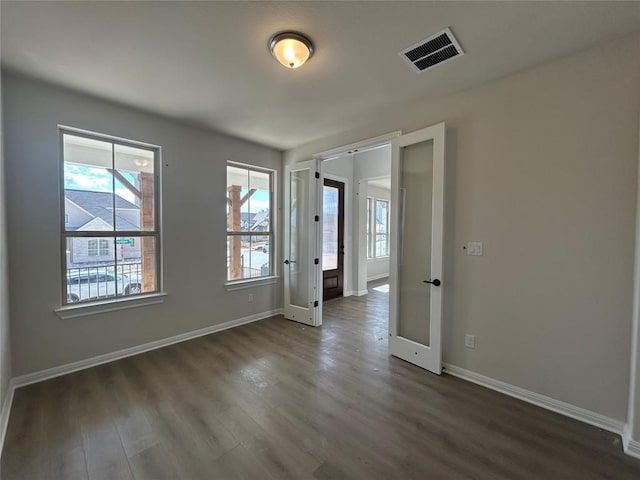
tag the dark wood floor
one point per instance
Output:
(275, 399)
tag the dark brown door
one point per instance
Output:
(332, 239)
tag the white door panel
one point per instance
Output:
(301, 243)
(417, 226)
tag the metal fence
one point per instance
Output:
(103, 281)
(247, 272)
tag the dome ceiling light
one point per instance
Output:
(291, 49)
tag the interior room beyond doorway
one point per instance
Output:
(365, 173)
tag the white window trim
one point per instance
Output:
(274, 277)
(75, 310)
(230, 286)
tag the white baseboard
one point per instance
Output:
(631, 446)
(377, 277)
(42, 375)
(360, 293)
(5, 412)
(586, 416)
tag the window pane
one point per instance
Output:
(248, 256)
(134, 188)
(381, 228)
(99, 268)
(259, 201)
(136, 265)
(90, 269)
(88, 185)
(381, 216)
(330, 228)
(381, 245)
(369, 240)
(248, 200)
(237, 188)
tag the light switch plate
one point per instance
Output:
(474, 248)
(470, 341)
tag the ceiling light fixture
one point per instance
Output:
(291, 49)
(141, 162)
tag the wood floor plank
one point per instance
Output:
(280, 462)
(153, 463)
(24, 456)
(279, 400)
(105, 455)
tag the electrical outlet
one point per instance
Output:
(470, 341)
(250, 297)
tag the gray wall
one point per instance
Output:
(5, 344)
(541, 167)
(193, 214)
(634, 391)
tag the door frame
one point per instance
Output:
(428, 357)
(353, 203)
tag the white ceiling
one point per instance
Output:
(207, 62)
(381, 183)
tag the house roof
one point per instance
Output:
(100, 205)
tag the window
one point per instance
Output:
(381, 228)
(110, 231)
(93, 250)
(249, 222)
(369, 239)
(377, 228)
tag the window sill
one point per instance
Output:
(103, 306)
(249, 283)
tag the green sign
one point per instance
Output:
(125, 241)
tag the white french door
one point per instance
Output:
(302, 260)
(417, 228)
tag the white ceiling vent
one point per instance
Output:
(435, 50)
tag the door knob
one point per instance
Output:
(287, 262)
(434, 282)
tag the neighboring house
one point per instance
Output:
(87, 210)
(255, 222)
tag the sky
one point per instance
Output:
(258, 202)
(99, 180)
(96, 180)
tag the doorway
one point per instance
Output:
(332, 239)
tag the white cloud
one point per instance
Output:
(93, 179)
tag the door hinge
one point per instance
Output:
(317, 218)
(315, 304)
(316, 261)
(317, 174)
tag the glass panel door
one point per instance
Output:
(416, 179)
(417, 221)
(332, 239)
(330, 228)
(300, 269)
(299, 239)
